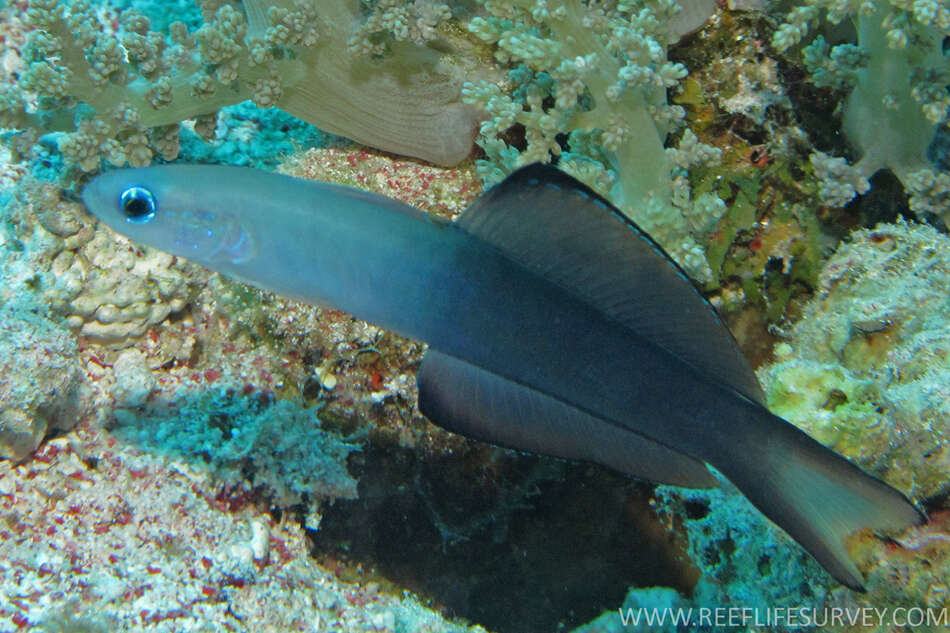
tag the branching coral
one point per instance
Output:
(399, 21)
(897, 74)
(592, 77)
(120, 96)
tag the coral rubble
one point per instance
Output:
(42, 389)
(100, 536)
(174, 441)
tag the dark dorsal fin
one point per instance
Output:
(562, 230)
(477, 403)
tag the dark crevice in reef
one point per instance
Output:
(516, 543)
(886, 201)
(816, 111)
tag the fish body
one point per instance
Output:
(554, 324)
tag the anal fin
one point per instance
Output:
(479, 404)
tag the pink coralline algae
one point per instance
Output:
(98, 536)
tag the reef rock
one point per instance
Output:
(42, 383)
(867, 369)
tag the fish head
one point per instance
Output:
(173, 208)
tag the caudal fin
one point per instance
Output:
(816, 495)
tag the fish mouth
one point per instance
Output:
(91, 197)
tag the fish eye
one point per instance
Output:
(138, 204)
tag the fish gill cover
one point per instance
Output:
(738, 129)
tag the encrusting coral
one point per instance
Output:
(120, 96)
(897, 72)
(867, 368)
(865, 371)
(42, 388)
(107, 294)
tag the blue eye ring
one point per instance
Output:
(137, 204)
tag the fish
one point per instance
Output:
(554, 325)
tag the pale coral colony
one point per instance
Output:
(760, 143)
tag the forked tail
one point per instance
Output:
(814, 494)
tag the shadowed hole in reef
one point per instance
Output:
(516, 543)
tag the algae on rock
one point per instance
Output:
(42, 388)
(867, 369)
